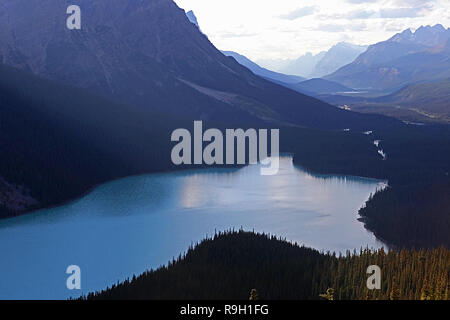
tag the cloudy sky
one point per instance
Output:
(269, 29)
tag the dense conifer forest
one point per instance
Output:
(414, 211)
(230, 265)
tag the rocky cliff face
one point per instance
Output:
(134, 50)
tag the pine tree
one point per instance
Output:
(395, 291)
(426, 291)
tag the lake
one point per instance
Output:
(127, 226)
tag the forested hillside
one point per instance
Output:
(230, 265)
(414, 211)
(56, 142)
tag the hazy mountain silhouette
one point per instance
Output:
(405, 58)
(302, 66)
(263, 72)
(317, 65)
(148, 53)
(311, 87)
(338, 56)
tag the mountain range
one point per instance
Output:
(263, 72)
(406, 58)
(318, 65)
(148, 54)
(339, 55)
(312, 87)
(301, 66)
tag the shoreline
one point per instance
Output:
(187, 169)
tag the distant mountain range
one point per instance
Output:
(302, 66)
(405, 58)
(318, 65)
(312, 87)
(338, 56)
(260, 71)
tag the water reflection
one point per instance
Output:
(127, 226)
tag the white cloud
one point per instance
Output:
(298, 13)
(404, 12)
(411, 3)
(331, 27)
(361, 1)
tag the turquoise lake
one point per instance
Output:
(127, 226)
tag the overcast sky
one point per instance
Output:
(278, 29)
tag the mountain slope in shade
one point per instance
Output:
(338, 56)
(419, 103)
(405, 58)
(58, 141)
(321, 86)
(148, 53)
(263, 72)
(433, 98)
